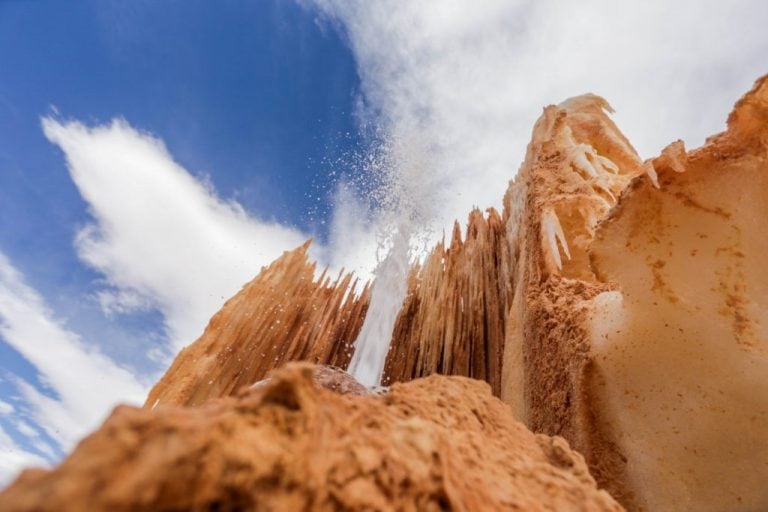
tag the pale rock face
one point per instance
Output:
(639, 324)
(681, 348)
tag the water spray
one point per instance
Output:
(389, 288)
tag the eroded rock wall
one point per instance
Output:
(638, 329)
(681, 344)
(454, 315)
(284, 314)
(576, 166)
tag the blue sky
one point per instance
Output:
(254, 97)
(255, 90)
(154, 155)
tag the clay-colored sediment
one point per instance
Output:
(439, 443)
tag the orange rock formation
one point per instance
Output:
(439, 443)
(453, 319)
(576, 167)
(284, 314)
(617, 303)
(680, 347)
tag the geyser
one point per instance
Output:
(389, 287)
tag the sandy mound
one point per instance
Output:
(437, 443)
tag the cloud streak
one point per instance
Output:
(13, 458)
(82, 383)
(457, 86)
(160, 236)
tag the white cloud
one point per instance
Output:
(161, 237)
(13, 459)
(87, 383)
(353, 239)
(460, 84)
(33, 436)
(6, 408)
(26, 429)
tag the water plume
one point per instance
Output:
(387, 296)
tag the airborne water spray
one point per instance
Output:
(372, 344)
(404, 195)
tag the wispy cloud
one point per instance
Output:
(457, 85)
(13, 458)
(161, 237)
(82, 383)
(6, 408)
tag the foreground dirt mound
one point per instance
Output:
(437, 443)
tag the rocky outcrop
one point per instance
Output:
(453, 318)
(577, 165)
(680, 346)
(638, 329)
(439, 443)
(636, 322)
(284, 314)
(619, 304)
